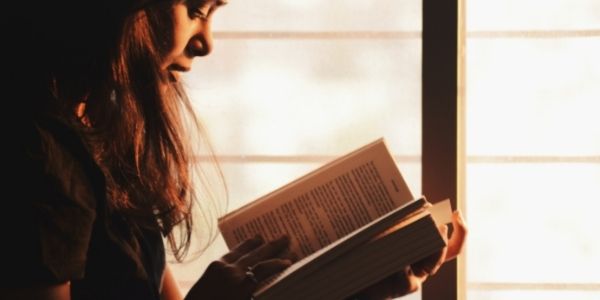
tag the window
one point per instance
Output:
(292, 84)
(533, 149)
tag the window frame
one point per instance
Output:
(443, 150)
(442, 129)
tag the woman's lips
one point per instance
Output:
(174, 76)
(176, 70)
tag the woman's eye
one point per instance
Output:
(203, 11)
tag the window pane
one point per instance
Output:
(533, 223)
(533, 96)
(319, 15)
(300, 97)
(533, 148)
(533, 14)
(306, 81)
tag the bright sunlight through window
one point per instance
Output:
(533, 147)
(293, 84)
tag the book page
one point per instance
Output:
(442, 212)
(324, 205)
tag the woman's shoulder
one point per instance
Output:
(52, 158)
(69, 161)
(54, 190)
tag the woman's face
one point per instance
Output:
(191, 34)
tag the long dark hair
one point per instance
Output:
(106, 57)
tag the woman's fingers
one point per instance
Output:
(413, 283)
(266, 251)
(431, 264)
(242, 249)
(395, 285)
(459, 235)
(270, 267)
(289, 255)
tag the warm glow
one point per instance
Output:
(278, 104)
(533, 142)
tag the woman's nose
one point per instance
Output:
(201, 43)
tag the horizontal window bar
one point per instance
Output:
(403, 158)
(332, 35)
(533, 159)
(316, 35)
(538, 34)
(533, 286)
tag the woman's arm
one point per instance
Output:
(51, 292)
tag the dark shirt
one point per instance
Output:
(57, 225)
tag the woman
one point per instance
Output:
(102, 149)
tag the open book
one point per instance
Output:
(352, 222)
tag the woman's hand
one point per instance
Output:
(410, 279)
(228, 278)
